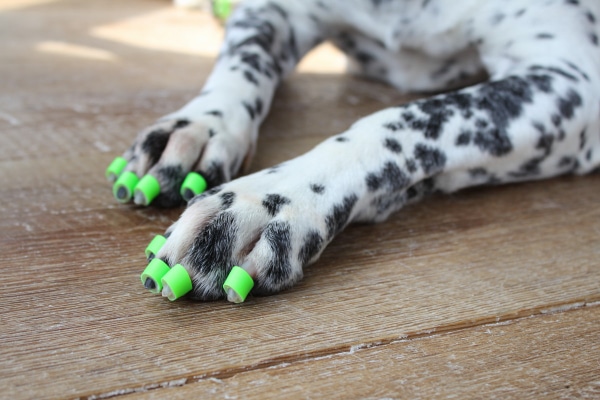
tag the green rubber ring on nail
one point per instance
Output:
(178, 281)
(155, 245)
(240, 282)
(123, 187)
(222, 9)
(193, 184)
(148, 187)
(115, 168)
(155, 271)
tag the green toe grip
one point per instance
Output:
(155, 245)
(176, 283)
(155, 271)
(193, 184)
(123, 187)
(240, 282)
(222, 9)
(115, 168)
(147, 189)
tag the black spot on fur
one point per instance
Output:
(339, 216)
(318, 189)
(542, 83)
(591, 17)
(544, 36)
(393, 145)
(394, 126)
(313, 242)
(464, 138)
(155, 144)
(411, 166)
(274, 202)
(342, 139)
(251, 78)
(171, 178)
(432, 160)
(478, 172)
(568, 104)
(278, 271)
(227, 200)
(552, 70)
(216, 113)
(438, 111)
(391, 178)
(577, 69)
(594, 39)
(556, 120)
(249, 109)
(210, 254)
(582, 139)
(503, 101)
(180, 123)
(215, 174)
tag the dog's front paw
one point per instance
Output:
(271, 226)
(164, 153)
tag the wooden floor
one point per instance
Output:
(491, 292)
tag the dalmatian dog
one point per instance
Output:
(536, 117)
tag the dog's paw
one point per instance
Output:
(270, 223)
(175, 146)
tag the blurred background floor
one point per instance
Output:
(491, 292)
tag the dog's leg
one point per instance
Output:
(215, 134)
(534, 123)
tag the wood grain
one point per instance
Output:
(76, 322)
(549, 356)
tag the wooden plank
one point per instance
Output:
(76, 320)
(550, 357)
(81, 325)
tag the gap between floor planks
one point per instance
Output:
(195, 385)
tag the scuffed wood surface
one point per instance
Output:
(531, 358)
(76, 86)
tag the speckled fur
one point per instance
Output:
(537, 117)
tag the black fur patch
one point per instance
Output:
(180, 123)
(227, 200)
(278, 271)
(274, 202)
(171, 178)
(155, 144)
(210, 253)
(216, 113)
(251, 78)
(215, 174)
(393, 145)
(503, 101)
(318, 189)
(339, 216)
(313, 242)
(464, 138)
(391, 177)
(431, 160)
(568, 105)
